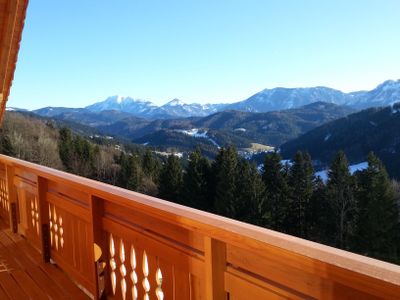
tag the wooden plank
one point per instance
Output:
(243, 290)
(3, 294)
(232, 276)
(30, 258)
(22, 212)
(24, 184)
(197, 288)
(16, 250)
(97, 236)
(10, 256)
(69, 269)
(63, 281)
(29, 271)
(26, 175)
(272, 268)
(43, 218)
(181, 284)
(10, 287)
(65, 190)
(42, 280)
(27, 285)
(12, 197)
(23, 248)
(73, 208)
(215, 265)
(156, 226)
(7, 31)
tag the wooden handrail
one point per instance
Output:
(204, 254)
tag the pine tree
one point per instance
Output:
(250, 194)
(340, 196)
(319, 215)
(6, 146)
(226, 179)
(66, 148)
(171, 180)
(82, 157)
(151, 166)
(195, 190)
(378, 218)
(277, 192)
(125, 170)
(301, 181)
(135, 179)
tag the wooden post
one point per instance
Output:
(43, 217)
(98, 239)
(215, 265)
(12, 199)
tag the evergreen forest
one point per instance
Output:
(356, 212)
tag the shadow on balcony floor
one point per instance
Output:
(23, 274)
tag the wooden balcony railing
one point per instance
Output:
(154, 249)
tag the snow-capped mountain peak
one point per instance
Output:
(122, 103)
(272, 99)
(120, 98)
(389, 84)
(175, 102)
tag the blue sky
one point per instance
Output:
(77, 52)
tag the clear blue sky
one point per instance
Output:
(77, 52)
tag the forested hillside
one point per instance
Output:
(221, 129)
(357, 212)
(374, 129)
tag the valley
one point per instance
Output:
(317, 120)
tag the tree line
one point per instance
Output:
(359, 212)
(356, 212)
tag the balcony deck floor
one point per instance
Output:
(23, 274)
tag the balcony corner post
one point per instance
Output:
(215, 266)
(43, 218)
(99, 243)
(12, 199)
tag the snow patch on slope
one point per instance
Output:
(198, 133)
(327, 137)
(352, 168)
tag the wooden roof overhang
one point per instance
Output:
(12, 17)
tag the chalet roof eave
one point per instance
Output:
(12, 18)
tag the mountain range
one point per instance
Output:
(267, 100)
(242, 129)
(282, 118)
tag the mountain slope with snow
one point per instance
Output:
(125, 104)
(275, 99)
(286, 98)
(373, 129)
(384, 94)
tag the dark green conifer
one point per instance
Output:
(342, 204)
(6, 146)
(65, 148)
(135, 179)
(195, 191)
(250, 191)
(125, 170)
(225, 183)
(151, 165)
(378, 217)
(171, 180)
(277, 193)
(319, 215)
(301, 182)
